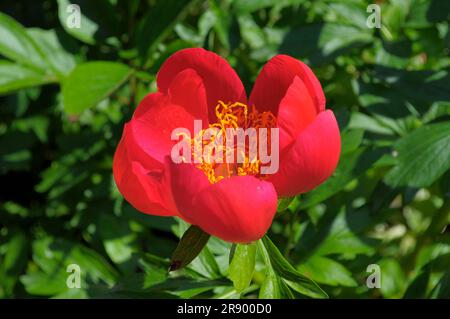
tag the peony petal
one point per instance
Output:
(275, 78)
(146, 188)
(311, 159)
(152, 125)
(139, 161)
(186, 181)
(187, 90)
(296, 111)
(239, 209)
(220, 80)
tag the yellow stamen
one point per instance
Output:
(230, 115)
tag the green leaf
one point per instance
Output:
(40, 284)
(155, 269)
(423, 156)
(206, 264)
(87, 29)
(288, 273)
(424, 14)
(339, 234)
(117, 238)
(419, 87)
(242, 266)
(327, 271)
(418, 287)
(323, 42)
(442, 289)
(351, 140)
(38, 54)
(246, 6)
(394, 15)
(351, 165)
(392, 278)
(91, 82)
(273, 287)
(251, 32)
(53, 255)
(190, 245)
(222, 24)
(187, 287)
(15, 149)
(13, 263)
(284, 203)
(370, 123)
(270, 288)
(60, 61)
(353, 12)
(16, 44)
(14, 77)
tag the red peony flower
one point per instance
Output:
(235, 202)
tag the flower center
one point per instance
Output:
(228, 147)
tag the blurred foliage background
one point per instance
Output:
(65, 95)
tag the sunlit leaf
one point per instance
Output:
(242, 266)
(89, 83)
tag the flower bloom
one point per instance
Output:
(236, 203)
